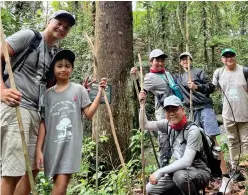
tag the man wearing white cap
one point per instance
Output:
(157, 82)
(31, 78)
(189, 167)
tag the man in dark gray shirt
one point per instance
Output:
(188, 169)
(30, 81)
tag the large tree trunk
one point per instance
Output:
(114, 52)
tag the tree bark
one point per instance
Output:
(114, 52)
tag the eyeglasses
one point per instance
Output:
(60, 23)
(172, 108)
(226, 57)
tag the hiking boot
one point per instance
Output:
(237, 176)
(226, 185)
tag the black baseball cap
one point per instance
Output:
(64, 54)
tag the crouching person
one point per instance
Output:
(189, 172)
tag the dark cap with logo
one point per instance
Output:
(228, 51)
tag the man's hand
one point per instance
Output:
(192, 85)
(134, 72)
(153, 180)
(10, 97)
(142, 97)
(102, 84)
(87, 84)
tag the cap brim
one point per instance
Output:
(162, 56)
(172, 105)
(185, 56)
(63, 54)
(230, 52)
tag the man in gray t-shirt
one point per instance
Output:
(233, 84)
(30, 82)
(187, 151)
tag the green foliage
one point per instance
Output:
(43, 185)
(110, 182)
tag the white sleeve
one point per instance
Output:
(182, 163)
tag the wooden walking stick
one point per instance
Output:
(142, 127)
(116, 141)
(97, 151)
(188, 59)
(18, 112)
(149, 133)
(111, 119)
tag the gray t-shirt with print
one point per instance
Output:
(234, 85)
(29, 79)
(192, 136)
(64, 130)
(158, 85)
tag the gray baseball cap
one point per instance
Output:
(157, 53)
(186, 54)
(64, 13)
(172, 101)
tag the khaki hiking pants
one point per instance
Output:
(234, 129)
(12, 162)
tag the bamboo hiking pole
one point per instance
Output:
(18, 112)
(116, 141)
(97, 151)
(149, 133)
(111, 119)
(142, 127)
(188, 59)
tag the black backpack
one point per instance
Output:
(208, 146)
(34, 43)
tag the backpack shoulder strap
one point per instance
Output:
(33, 44)
(187, 127)
(36, 39)
(219, 73)
(245, 70)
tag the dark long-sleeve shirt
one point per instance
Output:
(201, 96)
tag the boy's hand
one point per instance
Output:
(86, 84)
(39, 159)
(11, 97)
(142, 97)
(134, 72)
(102, 84)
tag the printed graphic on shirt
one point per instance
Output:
(64, 128)
(62, 111)
(233, 94)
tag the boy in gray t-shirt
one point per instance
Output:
(61, 130)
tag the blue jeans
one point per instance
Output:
(206, 119)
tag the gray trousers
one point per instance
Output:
(177, 183)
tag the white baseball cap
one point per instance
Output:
(157, 53)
